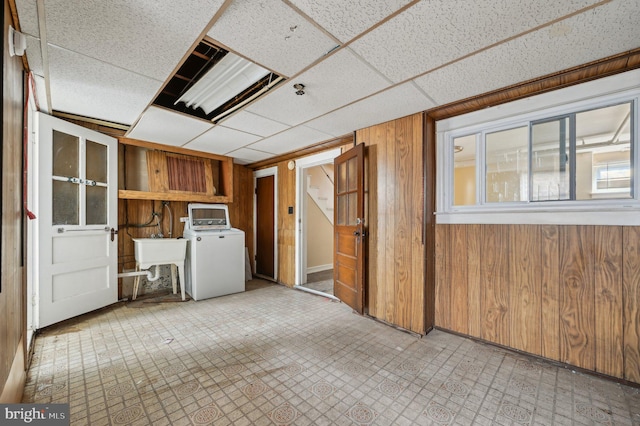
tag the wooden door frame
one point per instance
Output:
(302, 164)
(271, 171)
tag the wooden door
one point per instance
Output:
(349, 236)
(77, 218)
(265, 224)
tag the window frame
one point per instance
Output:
(546, 111)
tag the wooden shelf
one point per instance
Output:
(170, 196)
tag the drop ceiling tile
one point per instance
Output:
(291, 140)
(145, 36)
(221, 140)
(167, 127)
(272, 34)
(393, 103)
(577, 40)
(84, 86)
(433, 33)
(248, 155)
(583, 38)
(347, 19)
(339, 80)
(252, 123)
(28, 13)
(34, 55)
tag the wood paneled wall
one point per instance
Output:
(395, 291)
(12, 292)
(241, 209)
(567, 293)
(140, 211)
(286, 225)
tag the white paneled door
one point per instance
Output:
(77, 220)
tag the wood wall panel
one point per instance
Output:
(577, 315)
(241, 210)
(402, 224)
(526, 292)
(459, 292)
(494, 274)
(631, 303)
(386, 204)
(474, 282)
(286, 225)
(12, 256)
(444, 281)
(608, 300)
(395, 239)
(567, 293)
(550, 275)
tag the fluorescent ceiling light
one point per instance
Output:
(223, 82)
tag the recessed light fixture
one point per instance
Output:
(299, 89)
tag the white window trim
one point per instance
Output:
(595, 94)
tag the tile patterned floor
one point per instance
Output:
(276, 356)
(320, 281)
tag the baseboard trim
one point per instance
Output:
(14, 386)
(319, 268)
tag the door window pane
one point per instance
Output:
(96, 205)
(65, 203)
(96, 162)
(464, 171)
(65, 155)
(352, 174)
(342, 177)
(507, 165)
(352, 204)
(603, 153)
(342, 206)
(550, 165)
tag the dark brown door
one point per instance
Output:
(349, 238)
(265, 237)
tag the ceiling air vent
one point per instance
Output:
(214, 82)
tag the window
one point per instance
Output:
(506, 165)
(583, 155)
(464, 177)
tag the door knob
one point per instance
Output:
(356, 233)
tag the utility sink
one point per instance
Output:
(159, 251)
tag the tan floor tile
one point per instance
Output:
(277, 356)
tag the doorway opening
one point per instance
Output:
(314, 222)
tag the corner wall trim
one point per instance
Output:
(14, 386)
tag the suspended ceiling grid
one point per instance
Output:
(109, 60)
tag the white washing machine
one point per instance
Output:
(214, 265)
